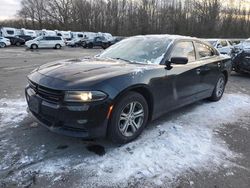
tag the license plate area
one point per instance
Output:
(34, 104)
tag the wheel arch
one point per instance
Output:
(225, 73)
(144, 91)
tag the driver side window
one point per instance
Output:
(184, 49)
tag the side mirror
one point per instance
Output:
(179, 60)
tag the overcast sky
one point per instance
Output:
(8, 8)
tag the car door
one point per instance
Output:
(209, 59)
(186, 78)
(51, 42)
(42, 43)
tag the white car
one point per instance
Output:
(46, 42)
(4, 42)
(222, 45)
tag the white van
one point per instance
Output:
(28, 32)
(46, 32)
(64, 34)
(77, 35)
(89, 35)
(46, 42)
(8, 32)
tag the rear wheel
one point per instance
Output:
(219, 88)
(18, 44)
(58, 46)
(34, 46)
(2, 45)
(129, 118)
(90, 45)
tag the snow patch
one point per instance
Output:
(187, 141)
(12, 112)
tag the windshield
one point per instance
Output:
(147, 50)
(38, 38)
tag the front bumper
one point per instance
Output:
(85, 120)
(8, 43)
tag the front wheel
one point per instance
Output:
(129, 118)
(58, 46)
(34, 46)
(90, 45)
(219, 88)
(2, 45)
(18, 44)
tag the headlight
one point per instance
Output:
(84, 96)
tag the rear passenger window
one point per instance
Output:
(184, 49)
(204, 50)
(47, 38)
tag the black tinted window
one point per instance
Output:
(184, 49)
(48, 38)
(80, 35)
(10, 32)
(204, 50)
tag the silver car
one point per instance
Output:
(46, 42)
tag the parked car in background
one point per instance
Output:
(222, 45)
(17, 41)
(241, 62)
(96, 42)
(8, 32)
(25, 37)
(46, 42)
(76, 42)
(4, 42)
(135, 81)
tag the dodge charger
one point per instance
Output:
(116, 93)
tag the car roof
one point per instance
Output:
(172, 37)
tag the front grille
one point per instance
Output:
(47, 93)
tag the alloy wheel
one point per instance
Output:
(2, 45)
(131, 119)
(220, 87)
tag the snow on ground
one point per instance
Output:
(12, 111)
(187, 141)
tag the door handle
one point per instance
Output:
(198, 71)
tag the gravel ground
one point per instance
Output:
(201, 145)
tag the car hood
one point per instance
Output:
(89, 70)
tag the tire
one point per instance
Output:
(124, 126)
(219, 88)
(2, 45)
(90, 45)
(105, 46)
(34, 46)
(18, 44)
(58, 46)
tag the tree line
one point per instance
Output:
(203, 18)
